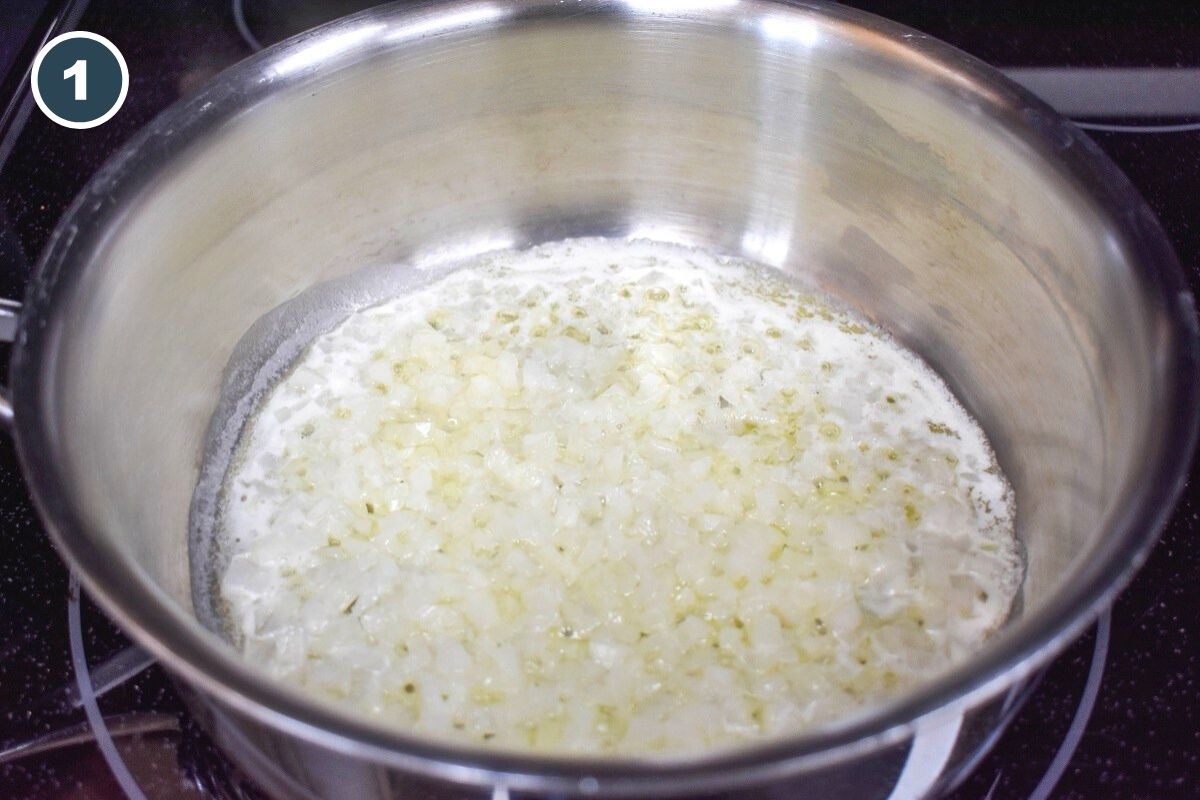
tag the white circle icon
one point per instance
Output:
(79, 79)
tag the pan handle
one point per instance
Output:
(10, 314)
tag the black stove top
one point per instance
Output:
(1116, 716)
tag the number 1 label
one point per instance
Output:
(78, 71)
(84, 82)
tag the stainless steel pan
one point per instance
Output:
(900, 174)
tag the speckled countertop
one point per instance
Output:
(1142, 739)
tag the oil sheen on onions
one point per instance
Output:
(612, 497)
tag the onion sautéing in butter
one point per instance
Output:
(612, 497)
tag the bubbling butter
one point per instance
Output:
(612, 497)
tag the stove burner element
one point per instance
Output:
(87, 694)
(1083, 713)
